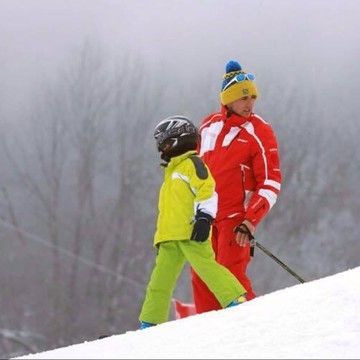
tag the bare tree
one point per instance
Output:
(83, 178)
(79, 199)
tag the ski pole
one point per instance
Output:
(245, 230)
(267, 252)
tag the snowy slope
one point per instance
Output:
(319, 319)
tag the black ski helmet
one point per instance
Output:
(175, 135)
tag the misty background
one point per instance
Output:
(82, 85)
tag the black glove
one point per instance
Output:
(201, 229)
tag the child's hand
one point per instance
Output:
(201, 228)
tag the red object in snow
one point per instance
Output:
(183, 310)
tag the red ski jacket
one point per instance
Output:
(242, 155)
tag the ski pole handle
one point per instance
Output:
(242, 228)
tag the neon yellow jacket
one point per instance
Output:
(188, 187)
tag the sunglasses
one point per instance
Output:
(238, 78)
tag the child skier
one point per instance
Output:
(187, 206)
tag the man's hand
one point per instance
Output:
(244, 233)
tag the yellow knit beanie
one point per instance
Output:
(236, 84)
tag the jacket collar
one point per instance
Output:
(178, 159)
(233, 119)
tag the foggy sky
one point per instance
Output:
(289, 38)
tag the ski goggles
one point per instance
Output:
(238, 78)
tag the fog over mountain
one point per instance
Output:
(183, 40)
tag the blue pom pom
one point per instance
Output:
(232, 65)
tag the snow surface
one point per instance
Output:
(315, 320)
